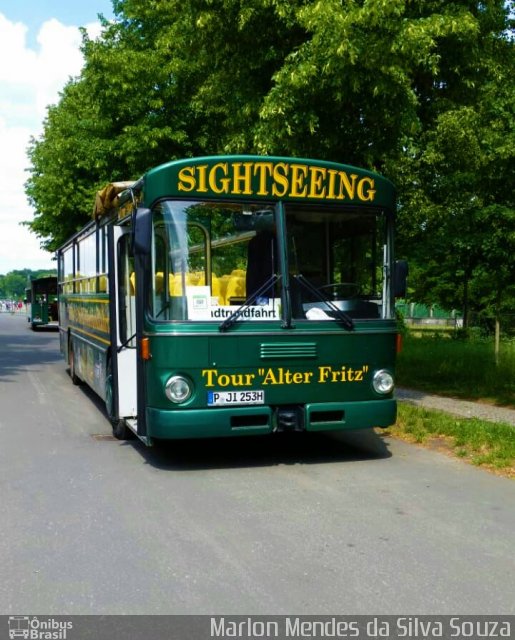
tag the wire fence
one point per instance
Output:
(479, 325)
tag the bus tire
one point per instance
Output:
(120, 429)
(73, 375)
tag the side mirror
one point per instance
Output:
(142, 231)
(400, 278)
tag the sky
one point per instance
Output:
(39, 52)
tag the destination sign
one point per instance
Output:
(275, 180)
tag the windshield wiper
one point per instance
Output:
(228, 322)
(345, 319)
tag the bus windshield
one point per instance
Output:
(209, 259)
(336, 255)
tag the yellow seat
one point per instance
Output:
(175, 283)
(198, 278)
(235, 288)
(132, 284)
(191, 279)
(216, 289)
(158, 282)
(224, 281)
(171, 284)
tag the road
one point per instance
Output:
(306, 523)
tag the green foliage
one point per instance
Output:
(419, 90)
(457, 216)
(353, 88)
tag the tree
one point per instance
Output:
(458, 209)
(14, 283)
(407, 87)
(169, 79)
(354, 89)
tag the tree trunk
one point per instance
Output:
(466, 300)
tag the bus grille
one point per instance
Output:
(277, 350)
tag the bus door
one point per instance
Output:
(123, 324)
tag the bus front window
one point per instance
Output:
(336, 255)
(208, 258)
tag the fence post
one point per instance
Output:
(497, 338)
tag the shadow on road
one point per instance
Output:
(252, 451)
(19, 350)
(267, 450)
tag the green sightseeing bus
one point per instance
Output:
(223, 296)
(41, 302)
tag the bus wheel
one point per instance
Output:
(75, 378)
(120, 429)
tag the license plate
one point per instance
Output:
(224, 398)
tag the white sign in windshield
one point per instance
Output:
(203, 306)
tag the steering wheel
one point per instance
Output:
(340, 290)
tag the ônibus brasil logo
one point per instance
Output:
(32, 628)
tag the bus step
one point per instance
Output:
(132, 423)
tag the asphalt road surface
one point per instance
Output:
(306, 523)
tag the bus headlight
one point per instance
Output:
(383, 382)
(178, 389)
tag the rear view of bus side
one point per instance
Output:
(234, 295)
(41, 302)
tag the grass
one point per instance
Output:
(487, 444)
(464, 369)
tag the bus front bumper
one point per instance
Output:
(237, 421)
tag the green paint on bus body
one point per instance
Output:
(334, 385)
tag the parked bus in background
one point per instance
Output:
(41, 302)
(223, 296)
